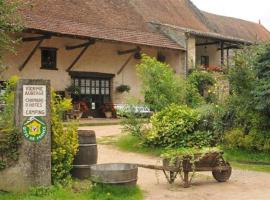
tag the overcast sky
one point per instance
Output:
(251, 10)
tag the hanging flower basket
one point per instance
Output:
(123, 88)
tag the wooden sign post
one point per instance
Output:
(32, 119)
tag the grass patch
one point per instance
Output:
(251, 167)
(51, 193)
(103, 192)
(131, 143)
(80, 190)
(247, 157)
(107, 140)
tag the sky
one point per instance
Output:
(251, 10)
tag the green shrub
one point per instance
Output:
(199, 139)
(160, 85)
(203, 81)
(254, 141)
(193, 98)
(172, 126)
(64, 141)
(215, 119)
(133, 122)
(10, 137)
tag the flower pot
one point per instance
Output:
(108, 114)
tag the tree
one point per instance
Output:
(160, 86)
(261, 90)
(10, 23)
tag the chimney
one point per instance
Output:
(259, 21)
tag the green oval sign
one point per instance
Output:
(34, 129)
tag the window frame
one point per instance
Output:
(52, 49)
(206, 58)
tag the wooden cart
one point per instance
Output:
(214, 161)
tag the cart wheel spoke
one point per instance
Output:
(223, 175)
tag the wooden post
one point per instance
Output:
(186, 179)
(228, 57)
(222, 53)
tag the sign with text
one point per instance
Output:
(34, 100)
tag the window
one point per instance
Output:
(205, 61)
(93, 86)
(48, 58)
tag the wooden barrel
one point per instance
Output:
(86, 155)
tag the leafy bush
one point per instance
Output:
(64, 141)
(193, 97)
(10, 137)
(133, 122)
(173, 127)
(255, 140)
(160, 85)
(215, 119)
(203, 81)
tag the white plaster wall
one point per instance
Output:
(101, 57)
(211, 51)
(191, 48)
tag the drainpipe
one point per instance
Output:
(187, 55)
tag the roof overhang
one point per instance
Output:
(87, 37)
(211, 35)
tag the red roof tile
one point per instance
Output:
(127, 20)
(238, 28)
(103, 19)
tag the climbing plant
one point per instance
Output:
(10, 137)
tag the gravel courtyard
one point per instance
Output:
(243, 185)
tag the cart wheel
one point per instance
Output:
(224, 175)
(172, 177)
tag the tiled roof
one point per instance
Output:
(103, 19)
(127, 20)
(238, 28)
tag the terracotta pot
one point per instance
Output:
(108, 114)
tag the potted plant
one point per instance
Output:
(123, 88)
(108, 109)
(73, 90)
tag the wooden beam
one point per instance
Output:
(207, 43)
(125, 64)
(78, 57)
(30, 55)
(235, 46)
(129, 51)
(90, 42)
(38, 38)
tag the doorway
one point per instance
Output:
(95, 91)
